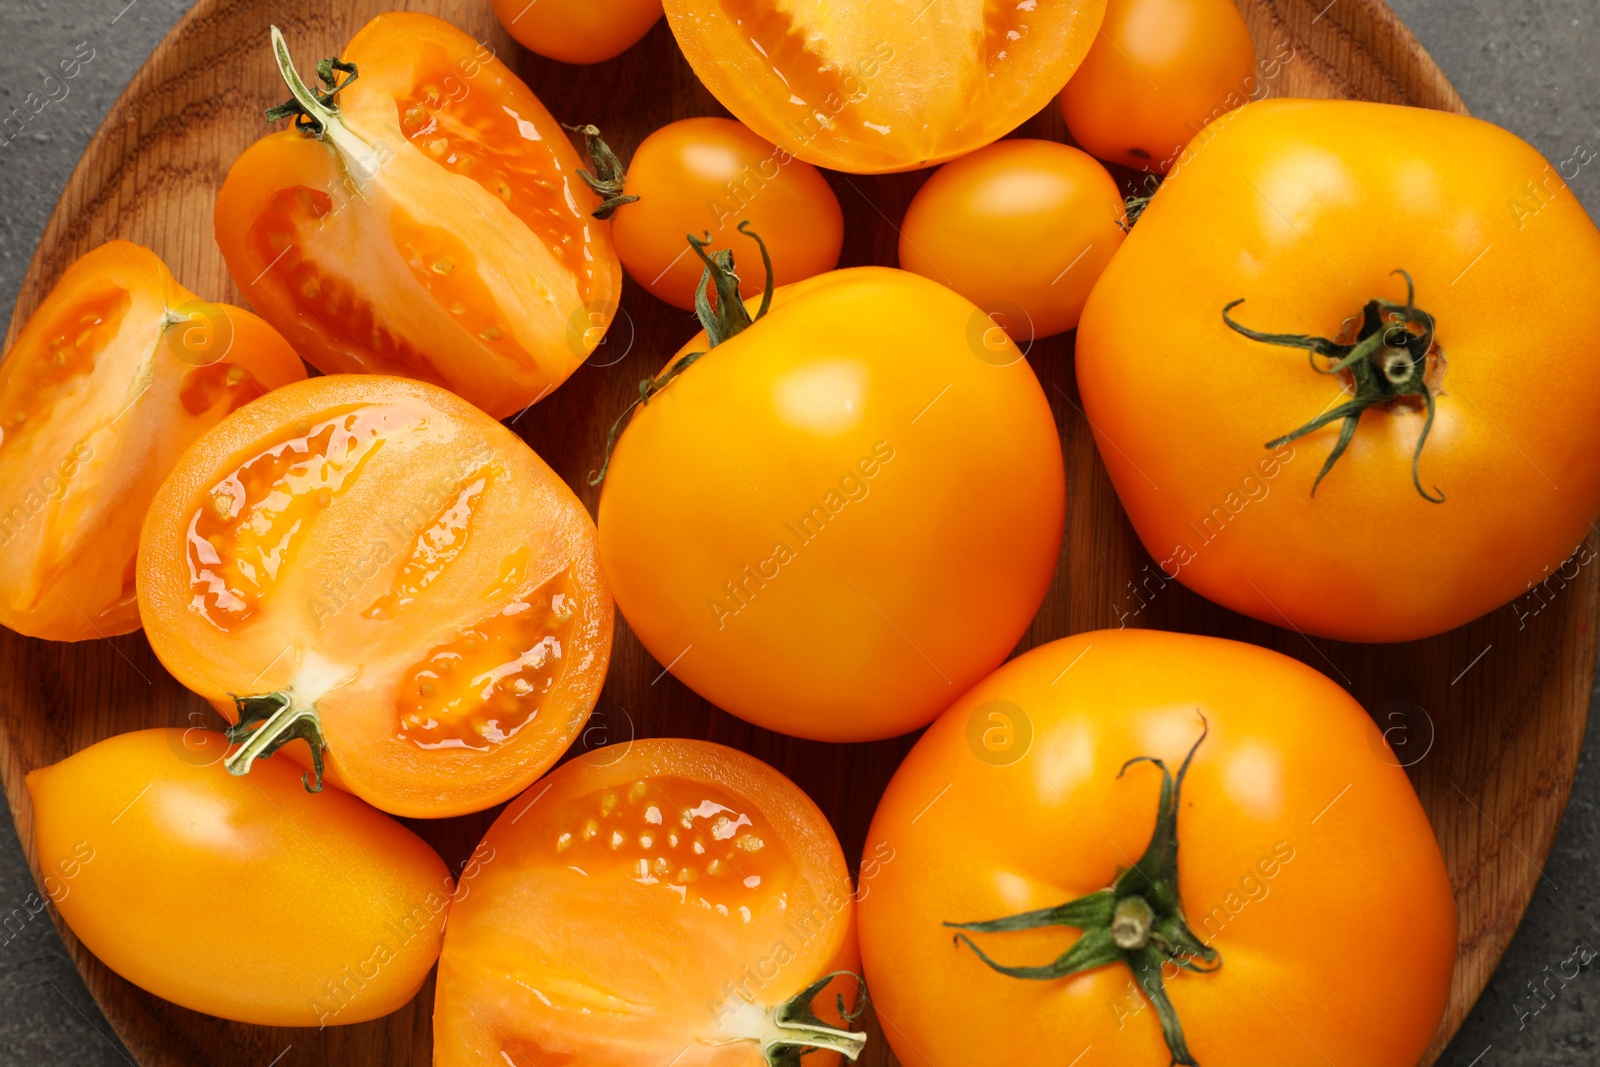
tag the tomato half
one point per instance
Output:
(870, 86)
(1306, 919)
(108, 382)
(578, 31)
(1021, 228)
(705, 176)
(250, 900)
(1157, 74)
(1436, 477)
(679, 902)
(835, 521)
(437, 230)
(374, 566)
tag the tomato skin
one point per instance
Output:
(108, 382)
(1157, 74)
(707, 175)
(1288, 206)
(1305, 859)
(443, 236)
(578, 31)
(544, 929)
(868, 523)
(870, 86)
(1020, 224)
(250, 900)
(383, 552)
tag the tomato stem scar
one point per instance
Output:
(609, 175)
(1138, 921)
(267, 723)
(1388, 360)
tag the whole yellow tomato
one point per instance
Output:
(1133, 849)
(578, 31)
(1441, 448)
(835, 521)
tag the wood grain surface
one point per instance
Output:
(1488, 718)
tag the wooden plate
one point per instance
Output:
(1489, 718)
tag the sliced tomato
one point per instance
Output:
(376, 567)
(118, 370)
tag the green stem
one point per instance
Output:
(800, 1032)
(609, 176)
(267, 723)
(316, 112)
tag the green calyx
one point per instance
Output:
(311, 108)
(267, 723)
(1133, 204)
(721, 321)
(798, 1031)
(608, 176)
(1138, 921)
(1387, 362)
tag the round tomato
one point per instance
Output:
(578, 31)
(869, 86)
(250, 900)
(374, 566)
(435, 227)
(835, 521)
(678, 903)
(1020, 228)
(705, 176)
(1036, 904)
(108, 382)
(1157, 74)
(1441, 274)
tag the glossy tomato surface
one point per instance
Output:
(439, 231)
(382, 554)
(578, 31)
(1158, 73)
(704, 176)
(1304, 860)
(1304, 210)
(108, 382)
(652, 906)
(869, 86)
(836, 521)
(1021, 228)
(248, 899)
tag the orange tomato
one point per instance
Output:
(1284, 491)
(1157, 74)
(437, 229)
(377, 568)
(838, 519)
(1021, 228)
(578, 31)
(108, 382)
(871, 86)
(1306, 918)
(679, 902)
(252, 901)
(706, 175)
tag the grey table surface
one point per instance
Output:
(1519, 63)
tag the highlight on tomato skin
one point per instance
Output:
(370, 570)
(115, 373)
(578, 31)
(248, 900)
(437, 229)
(662, 901)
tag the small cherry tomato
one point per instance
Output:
(1021, 228)
(377, 568)
(250, 900)
(108, 382)
(1157, 74)
(578, 31)
(677, 903)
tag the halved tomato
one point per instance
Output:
(112, 377)
(376, 567)
(434, 227)
(678, 903)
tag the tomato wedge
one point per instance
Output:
(434, 228)
(679, 902)
(108, 382)
(376, 567)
